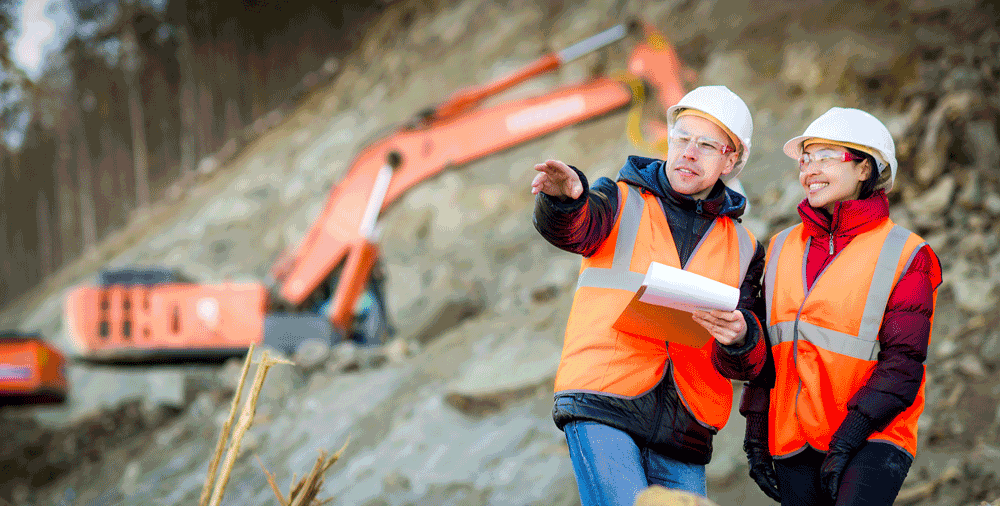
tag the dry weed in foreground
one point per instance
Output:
(213, 465)
(657, 495)
(305, 491)
(218, 486)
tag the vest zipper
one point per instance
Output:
(699, 207)
(659, 396)
(834, 224)
(798, 316)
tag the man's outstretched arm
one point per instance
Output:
(570, 214)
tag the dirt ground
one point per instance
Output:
(790, 62)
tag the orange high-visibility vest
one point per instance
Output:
(825, 339)
(599, 359)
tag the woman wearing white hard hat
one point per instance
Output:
(850, 299)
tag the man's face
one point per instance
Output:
(695, 159)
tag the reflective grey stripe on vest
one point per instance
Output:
(883, 281)
(619, 275)
(912, 256)
(771, 269)
(837, 342)
(747, 249)
(865, 345)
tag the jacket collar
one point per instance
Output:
(849, 218)
(713, 204)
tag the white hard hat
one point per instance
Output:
(726, 107)
(852, 128)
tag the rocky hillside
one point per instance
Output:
(457, 409)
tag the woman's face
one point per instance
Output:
(830, 174)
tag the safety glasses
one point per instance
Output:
(826, 157)
(705, 146)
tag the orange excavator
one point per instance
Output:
(330, 286)
(32, 371)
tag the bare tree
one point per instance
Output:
(188, 135)
(206, 102)
(77, 216)
(64, 193)
(45, 239)
(5, 256)
(88, 218)
(130, 56)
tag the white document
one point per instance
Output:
(686, 291)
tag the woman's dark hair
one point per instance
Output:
(868, 185)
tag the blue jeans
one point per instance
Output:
(611, 469)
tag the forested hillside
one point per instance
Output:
(142, 97)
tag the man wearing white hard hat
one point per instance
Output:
(637, 410)
(850, 299)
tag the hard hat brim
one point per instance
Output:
(793, 148)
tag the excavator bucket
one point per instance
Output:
(31, 370)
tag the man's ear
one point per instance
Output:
(730, 163)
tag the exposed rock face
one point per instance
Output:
(457, 410)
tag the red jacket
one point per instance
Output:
(906, 326)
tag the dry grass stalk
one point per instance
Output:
(657, 495)
(246, 419)
(213, 466)
(294, 486)
(274, 485)
(304, 492)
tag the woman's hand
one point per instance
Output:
(727, 327)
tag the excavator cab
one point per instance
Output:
(365, 322)
(372, 324)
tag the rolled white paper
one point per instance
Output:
(686, 291)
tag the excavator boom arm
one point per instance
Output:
(423, 151)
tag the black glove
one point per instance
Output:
(850, 437)
(759, 456)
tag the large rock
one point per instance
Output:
(517, 366)
(990, 350)
(937, 139)
(973, 292)
(165, 388)
(935, 200)
(444, 300)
